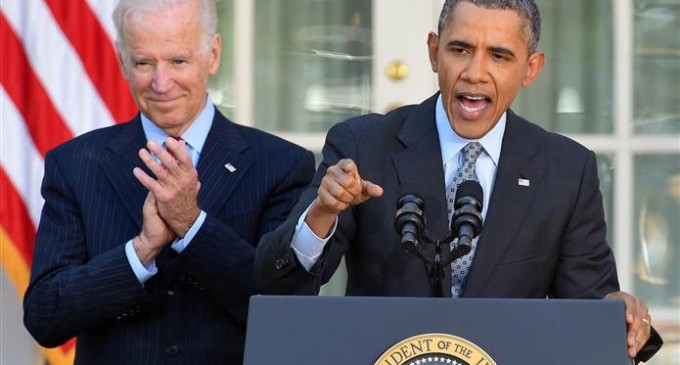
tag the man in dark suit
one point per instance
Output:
(146, 254)
(543, 233)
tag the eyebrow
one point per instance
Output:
(502, 50)
(459, 43)
(464, 44)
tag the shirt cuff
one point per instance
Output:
(143, 273)
(181, 243)
(307, 246)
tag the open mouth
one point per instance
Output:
(473, 103)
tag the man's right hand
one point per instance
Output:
(341, 188)
(155, 234)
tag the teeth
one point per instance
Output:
(481, 102)
(473, 109)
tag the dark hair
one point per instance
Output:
(527, 9)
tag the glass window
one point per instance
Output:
(657, 228)
(605, 167)
(657, 67)
(221, 85)
(656, 221)
(574, 92)
(312, 63)
(657, 246)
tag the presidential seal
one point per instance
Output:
(433, 349)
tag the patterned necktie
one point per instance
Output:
(461, 266)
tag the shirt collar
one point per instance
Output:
(195, 136)
(451, 143)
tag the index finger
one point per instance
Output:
(179, 151)
(348, 166)
(164, 157)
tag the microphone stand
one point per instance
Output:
(466, 224)
(443, 257)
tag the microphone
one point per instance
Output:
(409, 222)
(466, 222)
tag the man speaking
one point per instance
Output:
(543, 233)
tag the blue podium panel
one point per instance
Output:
(361, 330)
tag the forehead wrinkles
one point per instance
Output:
(507, 22)
(501, 30)
(149, 34)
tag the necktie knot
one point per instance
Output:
(466, 171)
(471, 152)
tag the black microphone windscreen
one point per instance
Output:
(470, 188)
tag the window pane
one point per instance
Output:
(312, 63)
(657, 66)
(657, 228)
(605, 169)
(657, 246)
(574, 92)
(221, 86)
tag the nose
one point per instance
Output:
(162, 79)
(476, 70)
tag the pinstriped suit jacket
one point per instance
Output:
(194, 310)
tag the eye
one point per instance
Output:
(140, 63)
(179, 61)
(499, 56)
(459, 50)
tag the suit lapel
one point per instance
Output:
(224, 147)
(510, 200)
(119, 163)
(420, 171)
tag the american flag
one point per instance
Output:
(59, 78)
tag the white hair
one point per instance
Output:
(127, 8)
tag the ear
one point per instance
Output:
(433, 49)
(215, 54)
(534, 66)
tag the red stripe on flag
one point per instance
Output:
(42, 119)
(15, 219)
(97, 54)
(68, 345)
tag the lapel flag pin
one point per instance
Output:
(523, 182)
(230, 167)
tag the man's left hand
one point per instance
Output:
(638, 321)
(176, 185)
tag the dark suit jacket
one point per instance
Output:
(194, 310)
(547, 239)
(543, 240)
